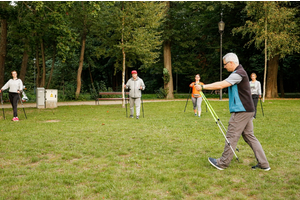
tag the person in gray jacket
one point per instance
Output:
(15, 86)
(135, 86)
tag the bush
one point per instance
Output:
(161, 93)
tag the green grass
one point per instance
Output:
(95, 152)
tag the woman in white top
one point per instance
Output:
(15, 86)
(255, 90)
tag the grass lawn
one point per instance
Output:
(95, 152)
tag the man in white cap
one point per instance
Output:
(135, 86)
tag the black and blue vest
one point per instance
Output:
(240, 99)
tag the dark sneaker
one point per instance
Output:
(213, 162)
(258, 167)
(137, 117)
(131, 116)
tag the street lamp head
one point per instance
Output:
(221, 26)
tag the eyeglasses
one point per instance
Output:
(226, 63)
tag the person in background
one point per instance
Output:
(255, 90)
(196, 96)
(15, 86)
(242, 110)
(135, 86)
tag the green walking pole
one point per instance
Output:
(219, 123)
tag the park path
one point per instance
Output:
(77, 103)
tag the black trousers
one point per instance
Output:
(255, 100)
(14, 98)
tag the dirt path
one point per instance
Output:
(77, 103)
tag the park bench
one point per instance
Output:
(101, 98)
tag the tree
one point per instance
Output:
(168, 78)
(43, 25)
(3, 40)
(281, 35)
(84, 17)
(129, 32)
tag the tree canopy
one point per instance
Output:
(85, 47)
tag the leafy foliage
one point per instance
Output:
(192, 30)
(272, 21)
(142, 40)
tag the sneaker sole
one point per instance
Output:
(214, 165)
(265, 169)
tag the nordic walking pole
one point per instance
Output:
(214, 115)
(187, 99)
(125, 104)
(262, 110)
(142, 104)
(22, 105)
(2, 105)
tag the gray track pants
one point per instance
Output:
(242, 124)
(137, 102)
(197, 103)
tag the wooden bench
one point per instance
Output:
(100, 98)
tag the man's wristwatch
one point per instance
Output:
(202, 87)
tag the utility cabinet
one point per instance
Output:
(40, 97)
(51, 98)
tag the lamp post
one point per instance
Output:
(34, 75)
(221, 26)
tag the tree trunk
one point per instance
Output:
(266, 57)
(44, 64)
(3, 45)
(124, 60)
(167, 64)
(52, 66)
(167, 61)
(24, 64)
(123, 78)
(83, 41)
(272, 91)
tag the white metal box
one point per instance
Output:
(51, 98)
(40, 97)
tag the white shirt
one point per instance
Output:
(13, 85)
(255, 87)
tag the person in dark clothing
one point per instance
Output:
(242, 111)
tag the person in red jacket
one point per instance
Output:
(196, 96)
